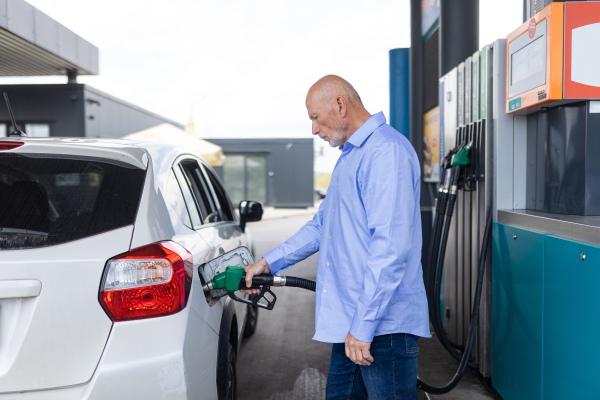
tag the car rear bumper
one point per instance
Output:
(147, 359)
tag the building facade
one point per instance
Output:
(276, 172)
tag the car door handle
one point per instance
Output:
(10, 289)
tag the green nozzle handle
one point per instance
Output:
(229, 280)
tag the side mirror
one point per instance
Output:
(250, 211)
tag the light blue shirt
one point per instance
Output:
(368, 234)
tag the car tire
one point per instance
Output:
(227, 374)
(231, 381)
(251, 319)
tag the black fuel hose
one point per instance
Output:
(301, 283)
(429, 270)
(474, 317)
(274, 280)
(436, 316)
(443, 219)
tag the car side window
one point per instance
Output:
(223, 200)
(188, 196)
(176, 200)
(202, 192)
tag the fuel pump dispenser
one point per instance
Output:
(458, 269)
(547, 232)
(521, 117)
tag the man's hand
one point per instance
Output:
(259, 267)
(358, 351)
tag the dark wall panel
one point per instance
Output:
(77, 110)
(60, 106)
(290, 167)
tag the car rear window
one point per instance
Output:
(48, 199)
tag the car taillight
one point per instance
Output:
(10, 145)
(150, 281)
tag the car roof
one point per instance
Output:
(133, 152)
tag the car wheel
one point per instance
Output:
(251, 320)
(226, 371)
(231, 382)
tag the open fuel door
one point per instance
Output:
(238, 257)
(224, 275)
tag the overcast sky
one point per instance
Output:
(242, 68)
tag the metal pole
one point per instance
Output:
(71, 76)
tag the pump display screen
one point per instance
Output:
(527, 62)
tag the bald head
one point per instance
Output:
(331, 86)
(335, 109)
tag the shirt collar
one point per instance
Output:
(363, 133)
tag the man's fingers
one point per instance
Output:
(256, 268)
(363, 357)
(357, 354)
(360, 360)
(367, 356)
(249, 276)
(356, 357)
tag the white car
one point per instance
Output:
(103, 249)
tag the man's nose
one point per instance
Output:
(315, 129)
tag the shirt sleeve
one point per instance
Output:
(301, 245)
(389, 201)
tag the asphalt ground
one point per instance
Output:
(282, 362)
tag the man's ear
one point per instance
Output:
(341, 106)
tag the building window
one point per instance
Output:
(245, 177)
(37, 130)
(32, 130)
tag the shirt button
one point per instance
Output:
(328, 264)
(324, 291)
(329, 237)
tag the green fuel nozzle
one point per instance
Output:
(234, 279)
(462, 156)
(228, 280)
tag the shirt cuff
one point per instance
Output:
(363, 330)
(276, 260)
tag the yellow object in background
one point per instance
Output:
(431, 145)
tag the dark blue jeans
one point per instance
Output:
(392, 374)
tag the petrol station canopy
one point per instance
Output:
(33, 44)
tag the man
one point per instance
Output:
(370, 297)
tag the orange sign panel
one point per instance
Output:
(534, 61)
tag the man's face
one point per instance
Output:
(325, 122)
